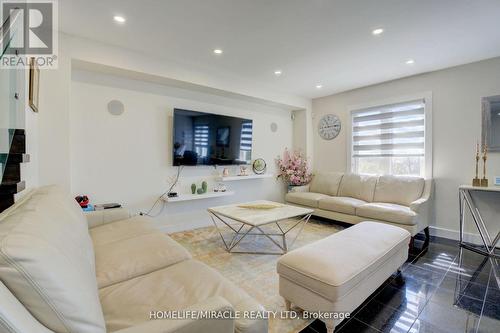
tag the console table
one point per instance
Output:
(466, 200)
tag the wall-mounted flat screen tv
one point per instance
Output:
(210, 139)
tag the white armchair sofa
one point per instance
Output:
(62, 271)
(353, 198)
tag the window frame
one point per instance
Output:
(426, 97)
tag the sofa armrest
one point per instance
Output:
(421, 204)
(303, 188)
(14, 317)
(219, 305)
(105, 216)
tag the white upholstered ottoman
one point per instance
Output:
(338, 273)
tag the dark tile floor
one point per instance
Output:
(441, 288)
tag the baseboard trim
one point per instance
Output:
(455, 235)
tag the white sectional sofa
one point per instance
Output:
(353, 198)
(64, 272)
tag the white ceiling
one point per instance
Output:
(326, 42)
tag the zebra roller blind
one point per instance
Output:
(392, 130)
(389, 139)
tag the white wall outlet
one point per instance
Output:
(497, 180)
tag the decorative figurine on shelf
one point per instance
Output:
(220, 188)
(243, 170)
(225, 172)
(202, 190)
(484, 181)
(476, 181)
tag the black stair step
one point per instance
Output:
(18, 139)
(17, 131)
(12, 187)
(14, 158)
(6, 200)
(18, 144)
(11, 173)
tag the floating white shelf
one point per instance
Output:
(189, 197)
(234, 178)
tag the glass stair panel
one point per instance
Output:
(11, 105)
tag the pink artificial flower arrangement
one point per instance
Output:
(294, 168)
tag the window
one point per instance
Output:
(389, 139)
(201, 140)
(246, 142)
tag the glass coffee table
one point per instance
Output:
(248, 220)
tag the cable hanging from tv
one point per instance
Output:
(167, 192)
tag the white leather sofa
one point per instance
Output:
(64, 272)
(353, 198)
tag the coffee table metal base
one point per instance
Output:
(239, 234)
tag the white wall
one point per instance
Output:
(53, 122)
(127, 158)
(55, 85)
(457, 94)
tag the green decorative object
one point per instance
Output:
(204, 186)
(200, 191)
(193, 188)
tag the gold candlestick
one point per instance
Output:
(476, 181)
(484, 181)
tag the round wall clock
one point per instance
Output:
(259, 166)
(329, 127)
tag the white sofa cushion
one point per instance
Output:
(344, 205)
(361, 187)
(47, 261)
(398, 189)
(174, 288)
(326, 183)
(129, 258)
(388, 212)
(119, 230)
(309, 199)
(333, 266)
(132, 247)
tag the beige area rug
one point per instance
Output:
(256, 274)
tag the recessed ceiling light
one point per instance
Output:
(377, 31)
(119, 19)
(218, 51)
(278, 72)
(410, 62)
(319, 86)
